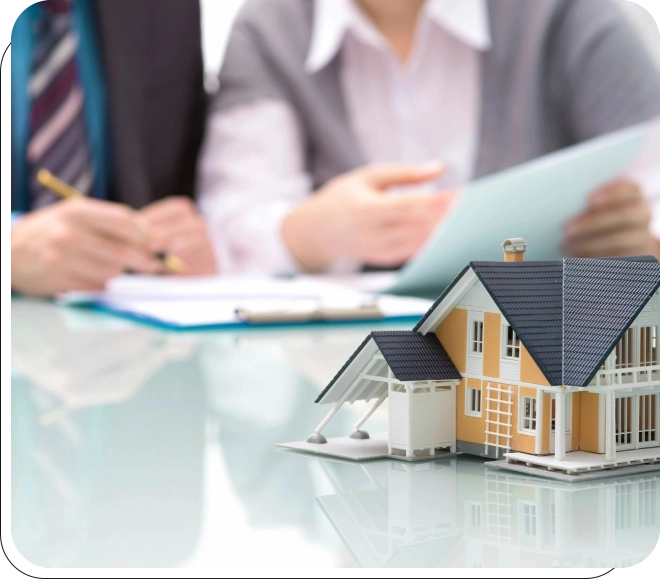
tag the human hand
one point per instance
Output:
(184, 233)
(353, 217)
(615, 223)
(79, 244)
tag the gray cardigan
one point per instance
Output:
(559, 72)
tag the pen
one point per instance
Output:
(63, 190)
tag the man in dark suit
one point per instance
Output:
(108, 95)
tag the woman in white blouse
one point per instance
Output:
(327, 105)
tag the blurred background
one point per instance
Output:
(218, 15)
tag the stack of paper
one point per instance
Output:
(214, 301)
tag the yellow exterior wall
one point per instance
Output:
(470, 428)
(589, 418)
(452, 333)
(492, 349)
(521, 442)
(529, 370)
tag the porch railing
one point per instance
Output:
(644, 375)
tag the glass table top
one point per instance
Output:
(134, 447)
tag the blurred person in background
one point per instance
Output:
(326, 105)
(109, 97)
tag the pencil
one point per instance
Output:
(46, 179)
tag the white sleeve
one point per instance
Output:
(251, 174)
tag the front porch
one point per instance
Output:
(579, 461)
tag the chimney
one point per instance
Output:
(514, 249)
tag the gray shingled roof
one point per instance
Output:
(414, 357)
(411, 356)
(570, 313)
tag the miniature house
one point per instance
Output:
(551, 366)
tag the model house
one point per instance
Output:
(549, 366)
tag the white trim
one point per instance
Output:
(610, 443)
(468, 400)
(560, 424)
(521, 417)
(504, 337)
(601, 423)
(451, 300)
(539, 421)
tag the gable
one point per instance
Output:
(569, 314)
(529, 296)
(478, 299)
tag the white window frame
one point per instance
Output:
(655, 336)
(522, 418)
(469, 410)
(505, 345)
(476, 339)
(650, 407)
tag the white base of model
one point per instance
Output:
(361, 449)
(579, 466)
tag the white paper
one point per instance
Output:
(531, 201)
(213, 301)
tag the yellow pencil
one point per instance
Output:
(46, 179)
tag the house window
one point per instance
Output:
(648, 419)
(477, 338)
(625, 351)
(527, 414)
(648, 350)
(511, 343)
(473, 402)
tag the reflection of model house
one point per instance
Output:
(517, 521)
(455, 514)
(553, 365)
(405, 517)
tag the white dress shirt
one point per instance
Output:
(252, 169)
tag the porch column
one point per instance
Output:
(560, 424)
(610, 434)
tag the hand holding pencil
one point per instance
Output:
(63, 190)
(80, 244)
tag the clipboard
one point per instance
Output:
(226, 303)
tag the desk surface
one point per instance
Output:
(133, 447)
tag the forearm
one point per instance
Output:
(245, 197)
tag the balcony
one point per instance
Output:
(640, 376)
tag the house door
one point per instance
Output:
(569, 421)
(636, 421)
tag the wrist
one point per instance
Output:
(302, 237)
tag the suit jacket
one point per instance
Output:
(154, 78)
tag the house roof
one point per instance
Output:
(569, 313)
(411, 356)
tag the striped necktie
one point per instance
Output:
(58, 137)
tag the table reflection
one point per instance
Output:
(107, 441)
(459, 513)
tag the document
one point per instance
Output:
(531, 201)
(233, 301)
